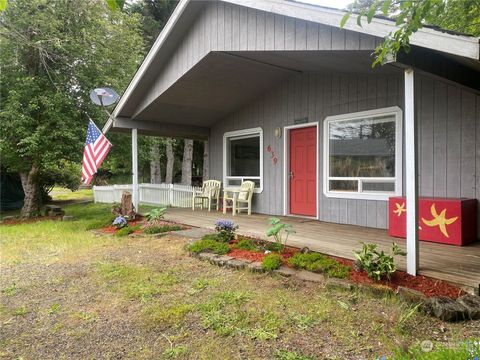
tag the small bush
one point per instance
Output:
(273, 246)
(319, 263)
(225, 230)
(271, 262)
(161, 229)
(246, 244)
(156, 214)
(377, 264)
(213, 246)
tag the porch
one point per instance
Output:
(459, 265)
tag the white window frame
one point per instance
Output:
(373, 195)
(258, 131)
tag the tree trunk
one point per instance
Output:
(30, 188)
(155, 167)
(206, 167)
(170, 161)
(187, 162)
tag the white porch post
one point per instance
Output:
(411, 173)
(134, 169)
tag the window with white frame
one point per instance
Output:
(242, 158)
(363, 154)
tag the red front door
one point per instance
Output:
(303, 171)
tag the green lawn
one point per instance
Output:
(68, 293)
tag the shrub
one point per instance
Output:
(210, 245)
(161, 229)
(156, 214)
(280, 232)
(376, 263)
(120, 222)
(271, 262)
(319, 263)
(225, 230)
(246, 244)
(273, 246)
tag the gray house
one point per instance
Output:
(288, 99)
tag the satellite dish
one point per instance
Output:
(103, 96)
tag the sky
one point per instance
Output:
(339, 4)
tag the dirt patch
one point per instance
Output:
(145, 298)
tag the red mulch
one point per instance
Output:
(428, 286)
(247, 255)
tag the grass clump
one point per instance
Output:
(290, 355)
(319, 263)
(207, 244)
(469, 349)
(246, 244)
(161, 229)
(136, 282)
(158, 315)
(271, 262)
(127, 230)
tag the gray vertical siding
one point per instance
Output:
(448, 115)
(449, 136)
(226, 27)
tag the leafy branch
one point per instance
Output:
(409, 17)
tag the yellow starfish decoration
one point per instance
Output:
(399, 209)
(439, 220)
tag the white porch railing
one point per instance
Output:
(152, 194)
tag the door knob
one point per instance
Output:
(291, 174)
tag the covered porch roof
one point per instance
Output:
(223, 82)
(458, 265)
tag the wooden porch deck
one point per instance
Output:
(459, 265)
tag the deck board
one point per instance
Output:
(460, 265)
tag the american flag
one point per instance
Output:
(96, 148)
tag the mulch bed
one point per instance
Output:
(110, 229)
(428, 286)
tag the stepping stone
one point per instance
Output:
(68, 218)
(472, 305)
(221, 260)
(236, 264)
(410, 295)
(335, 283)
(255, 266)
(446, 309)
(285, 271)
(207, 256)
(310, 276)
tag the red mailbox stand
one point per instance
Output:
(442, 220)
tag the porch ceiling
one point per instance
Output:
(223, 82)
(216, 86)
